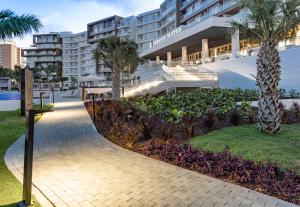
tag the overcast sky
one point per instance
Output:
(73, 15)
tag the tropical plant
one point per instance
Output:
(12, 25)
(268, 22)
(117, 55)
(36, 73)
(16, 73)
(5, 72)
(48, 70)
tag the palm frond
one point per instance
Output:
(12, 25)
(269, 20)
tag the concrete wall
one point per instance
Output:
(238, 72)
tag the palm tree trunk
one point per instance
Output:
(116, 84)
(267, 80)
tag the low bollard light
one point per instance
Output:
(93, 101)
(53, 94)
(41, 100)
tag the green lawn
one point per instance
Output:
(12, 126)
(248, 142)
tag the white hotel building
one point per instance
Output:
(185, 32)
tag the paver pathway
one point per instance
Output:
(75, 166)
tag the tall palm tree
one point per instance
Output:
(116, 54)
(268, 22)
(12, 25)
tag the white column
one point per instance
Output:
(184, 55)
(235, 44)
(204, 53)
(215, 52)
(157, 59)
(169, 59)
(297, 41)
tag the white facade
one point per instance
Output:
(127, 28)
(148, 28)
(77, 56)
(168, 16)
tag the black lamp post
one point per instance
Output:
(28, 156)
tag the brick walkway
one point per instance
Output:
(75, 166)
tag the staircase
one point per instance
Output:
(171, 78)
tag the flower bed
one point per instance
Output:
(146, 131)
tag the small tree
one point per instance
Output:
(116, 54)
(268, 22)
(48, 70)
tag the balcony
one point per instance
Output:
(186, 3)
(102, 30)
(167, 11)
(168, 21)
(198, 9)
(47, 39)
(217, 11)
(41, 52)
(139, 23)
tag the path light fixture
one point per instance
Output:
(28, 156)
(93, 101)
(41, 99)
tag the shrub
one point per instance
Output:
(295, 109)
(210, 118)
(294, 94)
(252, 116)
(235, 117)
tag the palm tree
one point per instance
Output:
(16, 74)
(5, 72)
(48, 70)
(268, 22)
(116, 54)
(12, 25)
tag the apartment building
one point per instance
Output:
(46, 50)
(127, 28)
(168, 16)
(202, 32)
(147, 29)
(180, 31)
(77, 57)
(103, 28)
(10, 55)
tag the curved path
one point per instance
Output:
(75, 166)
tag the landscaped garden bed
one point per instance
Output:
(162, 127)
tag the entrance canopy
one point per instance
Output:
(215, 29)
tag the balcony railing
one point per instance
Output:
(201, 6)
